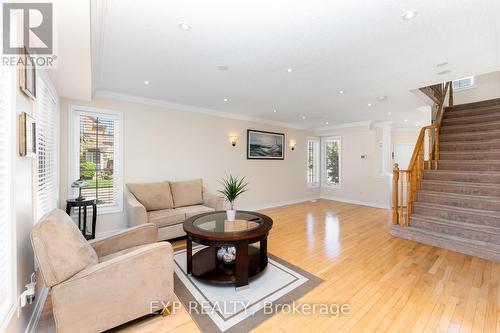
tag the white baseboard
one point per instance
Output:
(37, 311)
(355, 202)
(281, 203)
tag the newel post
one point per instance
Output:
(395, 205)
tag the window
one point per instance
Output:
(7, 257)
(465, 83)
(96, 155)
(47, 115)
(331, 161)
(313, 162)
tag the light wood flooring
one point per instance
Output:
(391, 284)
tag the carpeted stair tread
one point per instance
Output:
(492, 125)
(463, 225)
(481, 249)
(470, 155)
(463, 196)
(474, 119)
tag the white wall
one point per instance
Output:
(164, 144)
(487, 86)
(360, 180)
(24, 170)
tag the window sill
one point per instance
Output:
(104, 210)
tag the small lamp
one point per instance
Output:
(79, 184)
(233, 139)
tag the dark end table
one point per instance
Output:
(213, 230)
(88, 202)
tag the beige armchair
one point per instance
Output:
(103, 283)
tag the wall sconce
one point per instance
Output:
(233, 140)
(292, 145)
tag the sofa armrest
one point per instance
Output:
(139, 235)
(116, 291)
(212, 200)
(136, 212)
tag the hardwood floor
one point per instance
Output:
(391, 284)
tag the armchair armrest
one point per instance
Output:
(132, 283)
(139, 235)
(212, 200)
(136, 212)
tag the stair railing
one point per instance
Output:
(406, 183)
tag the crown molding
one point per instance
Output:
(344, 125)
(191, 108)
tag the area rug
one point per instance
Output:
(221, 308)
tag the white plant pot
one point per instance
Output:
(231, 214)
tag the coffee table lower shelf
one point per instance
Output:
(207, 267)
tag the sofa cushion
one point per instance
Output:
(60, 248)
(187, 193)
(195, 210)
(166, 217)
(153, 196)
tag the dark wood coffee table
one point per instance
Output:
(213, 230)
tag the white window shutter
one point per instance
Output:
(47, 162)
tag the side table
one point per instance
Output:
(70, 203)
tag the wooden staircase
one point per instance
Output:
(456, 202)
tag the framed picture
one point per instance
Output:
(265, 145)
(27, 75)
(27, 135)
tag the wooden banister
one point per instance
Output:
(420, 160)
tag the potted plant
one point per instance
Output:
(233, 188)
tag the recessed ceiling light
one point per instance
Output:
(382, 98)
(416, 125)
(369, 104)
(146, 82)
(406, 120)
(326, 123)
(408, 15)
(289, 70)
(303, 117)
(275, 111)
(225, 100)
(389, 113)
(223, 67)
(185, 26)
(441, 64)
(341, 92)
(444, 72)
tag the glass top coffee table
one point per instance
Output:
(213, 230)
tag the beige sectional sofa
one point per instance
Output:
(168, 204)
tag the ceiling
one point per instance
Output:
(363, 48)
(72, 71)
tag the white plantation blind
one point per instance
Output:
(7, 84)
(46, 135)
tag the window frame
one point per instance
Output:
(316, 159)
(324, 182)
(473, 83)
(74, 112)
